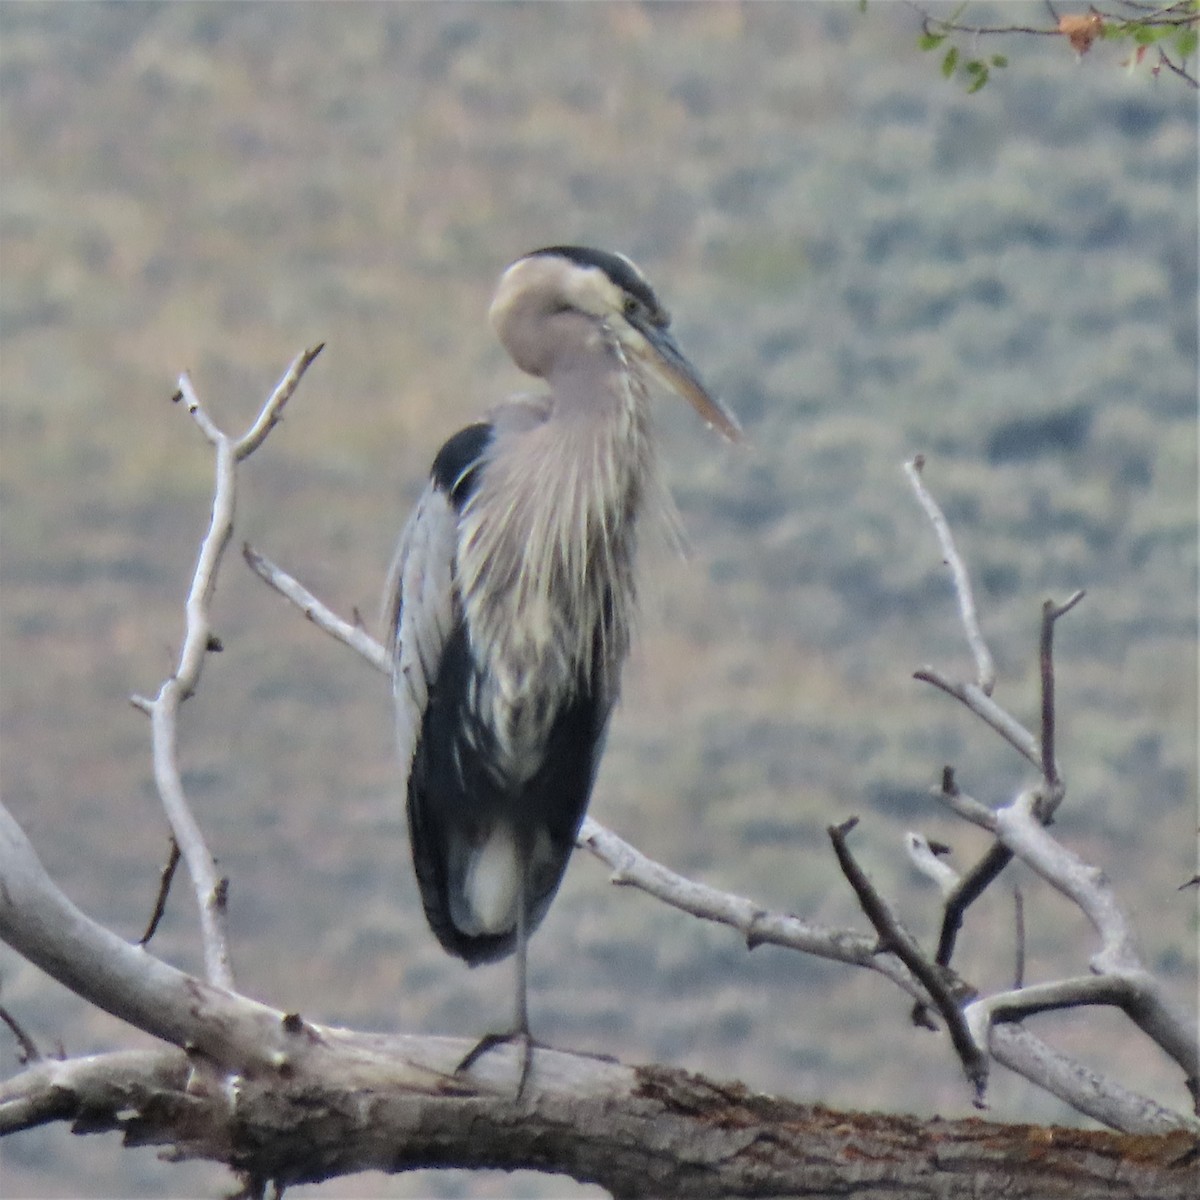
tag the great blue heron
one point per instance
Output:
(511, 596)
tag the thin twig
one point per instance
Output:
(961, 804)
(985, 667)
(1050, 614)
(322, 617)
(272, 411)
(164, 888)
(894, 937)
(1165, 60)
(984, 707)
(1018, 937)
(29, 1053)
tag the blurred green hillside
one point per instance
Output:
(866, 264)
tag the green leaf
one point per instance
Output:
(999, 60)
(930, 41)
(1186, 41)
(980, 80)
(976, 67)
(949, 62)
(1147, 35)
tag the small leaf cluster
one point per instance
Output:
(975, 72)
(1179, 40)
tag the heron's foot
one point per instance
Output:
(491, 1041)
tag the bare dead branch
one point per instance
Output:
(1020, 828)
(985, 667)
(27, 1050)
(984, 707)
(961, 804)
(352, 635)
(1097, 1096)
(272, 411)
(631, 868)
(638, 1132)
(198, 641)
(894, 937)
(164, 888)
(1018, 937)
(1050, 614)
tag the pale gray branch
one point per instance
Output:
(1097, 1096)
(354, 636)
(984, 707)
(198, 641)
(631, 868)
(985, 667)
(40, 923)
(272, 411)
(941, 874)
(1019, 827)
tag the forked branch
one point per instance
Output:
(210, 887)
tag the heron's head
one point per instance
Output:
(559, 304)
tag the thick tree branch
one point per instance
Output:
(638, 1132)
(288, 1101)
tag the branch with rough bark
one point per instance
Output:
(282, 1099)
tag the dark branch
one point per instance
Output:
(1019, 937)
(895, 938)
(974, 883)
(1165, 60)
(164, 888)
(29, 1053)
(1050, 614)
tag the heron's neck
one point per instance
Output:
(551, 581)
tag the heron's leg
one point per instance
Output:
(520, 1029)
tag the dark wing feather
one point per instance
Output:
(454, 793)
(455, 798)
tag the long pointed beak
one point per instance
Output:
(680, 376)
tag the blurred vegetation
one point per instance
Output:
(865, 262)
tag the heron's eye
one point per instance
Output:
(632, 307)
